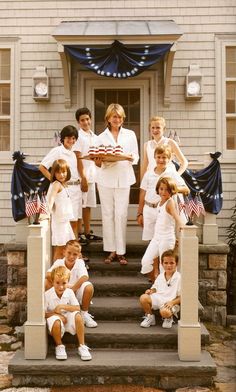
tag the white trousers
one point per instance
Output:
(114, 205)
(155, 249)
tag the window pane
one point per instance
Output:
(231, 134)
(231, 97)
(5, 135)
(5, 70)
(231, 62)
(4, 100)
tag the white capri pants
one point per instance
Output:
(149, 221)
(80, 292)
(155, 249)
(114, 205)
(68, 327)
(75, 194)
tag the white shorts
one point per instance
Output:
(149, 221)
(68, 327)
(80, 292)
(157, 301)
(76, 200)
(89, 198)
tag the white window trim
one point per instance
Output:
(222, 41)
(13, 44)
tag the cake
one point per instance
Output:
(118, 150)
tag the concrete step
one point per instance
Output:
(120, 308)
(119, 285)
(156, 368)
(130, 335)
(98, 267)
(132, 250)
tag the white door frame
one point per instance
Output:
(87, 82)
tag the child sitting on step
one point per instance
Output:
(164, 293)
(78, 281)
(62, 312)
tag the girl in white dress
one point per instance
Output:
(157, 127)
(167, 217)
(60, 207)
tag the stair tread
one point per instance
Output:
(119, 280)
(114, 362)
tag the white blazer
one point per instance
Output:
(118, 174)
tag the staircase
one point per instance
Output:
(123, 352)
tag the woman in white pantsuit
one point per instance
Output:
(114, 181)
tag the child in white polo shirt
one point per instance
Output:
(164, 293)
(68, 135)
(62, 312)
(78, 281)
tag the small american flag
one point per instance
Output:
(200, 207)
(43, 208)
(32, 204)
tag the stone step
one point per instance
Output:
(119, 285)
(120, 308)
(130, 335)
(156, 368)
(98, 267)
(132, 250)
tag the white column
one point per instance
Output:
(37, 261)
(189, 333)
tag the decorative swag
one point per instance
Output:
(118, 60)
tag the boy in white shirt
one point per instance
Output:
(78, 281)
(164, 293)
(86, 139)
(62, 312)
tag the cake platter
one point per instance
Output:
(108, 157)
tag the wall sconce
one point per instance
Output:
(41, 84)
(193, 87)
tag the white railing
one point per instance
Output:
(38, 261)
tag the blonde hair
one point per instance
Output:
(163, 149)
(75, 244)
(61, 272)
(57, 166)
(170, 184)
(114, 108)
(159, 119)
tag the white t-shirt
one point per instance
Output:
(69, 156)
(167, 290)
(86, 140)
(52, 299)
(76, 272)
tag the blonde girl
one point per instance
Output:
(60, 207)
(157, 126)
(167, 218)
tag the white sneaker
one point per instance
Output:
(175, 310)
(88, 320)
(60, 352)
(167, 323)
(149, 319)
(84, 353)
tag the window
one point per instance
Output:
(5, 87)
(9, 97)
(226, 96)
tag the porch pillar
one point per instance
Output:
(38, 258)
(189, 334)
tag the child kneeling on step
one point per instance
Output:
(62, 312)
(164, 293)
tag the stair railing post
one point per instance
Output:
(189, 333)
(38, 256)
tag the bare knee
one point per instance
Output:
(165, 313)
(144, 298)
(89, 289)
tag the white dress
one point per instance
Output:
(61, 215)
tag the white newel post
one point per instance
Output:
(189, 333)
(38, 258)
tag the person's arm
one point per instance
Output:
(150, 291)
(56, 187)
(145, 161)
(142, 194)
(80, 167)
(66, 308)
(171, 209)
(45, 172)
(175, 301)
(183, 162)
(79, 282)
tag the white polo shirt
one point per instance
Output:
(86, 140)
(167, 290)
(52, 299)
(76, 272)
(61, 152)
